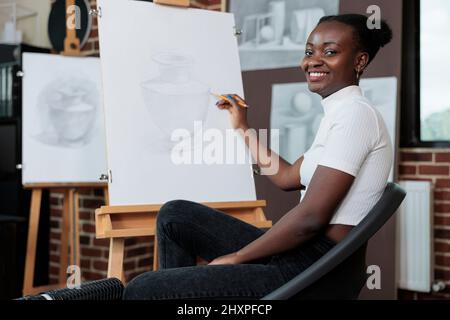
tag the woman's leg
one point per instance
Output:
(242, 281)
(187, 230)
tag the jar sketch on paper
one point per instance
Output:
(68, 108)
(174, 99)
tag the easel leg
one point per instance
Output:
(115, 263)
(155, 253)
(74, 230)
(33, 226)
(106, 195)
(65, 230)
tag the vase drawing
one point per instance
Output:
(174, 99)
(69, 108)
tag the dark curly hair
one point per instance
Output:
(368, 40)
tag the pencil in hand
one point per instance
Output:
(229, 98)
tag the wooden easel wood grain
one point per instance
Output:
(69, 231)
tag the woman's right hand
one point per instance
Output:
(238, 114)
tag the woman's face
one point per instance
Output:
(331, 58)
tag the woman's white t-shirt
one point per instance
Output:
(352, 138)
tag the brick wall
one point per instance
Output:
(91, 48)
(94, 252)
(432, 165)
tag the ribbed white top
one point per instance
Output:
(352, 138)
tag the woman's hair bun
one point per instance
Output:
(369, 40)
(383, 35)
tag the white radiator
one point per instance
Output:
(415, 255)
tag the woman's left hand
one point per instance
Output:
(231, 258)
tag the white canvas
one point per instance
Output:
(297, 113)
(174, 58)
(63, 128)
(274, 32)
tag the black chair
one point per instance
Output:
(341, 272)
(109, 289)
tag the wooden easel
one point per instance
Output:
(71, 42)
(69, 231)
(120, 222)
(176, 3)
(70, 219)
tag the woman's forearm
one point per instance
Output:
(291, 230)
(270, 163)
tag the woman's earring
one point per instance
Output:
(358, 74)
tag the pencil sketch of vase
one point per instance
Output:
(68, 110)
(174, 99)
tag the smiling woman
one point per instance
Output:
(337, 58)
(345, 172)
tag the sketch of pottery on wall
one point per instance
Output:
(265, 28)
(174, 99)
(303, 22)
(302, 120)
(268, 31)
(383, 95)
(277, 11)
(68, 110)
(274, 32)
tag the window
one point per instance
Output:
(425, 118)
(434, 71)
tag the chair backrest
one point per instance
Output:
(389, 202)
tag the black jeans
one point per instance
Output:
(187, 230)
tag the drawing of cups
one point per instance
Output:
(174, 99)
(71, 106)
(73, 120)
